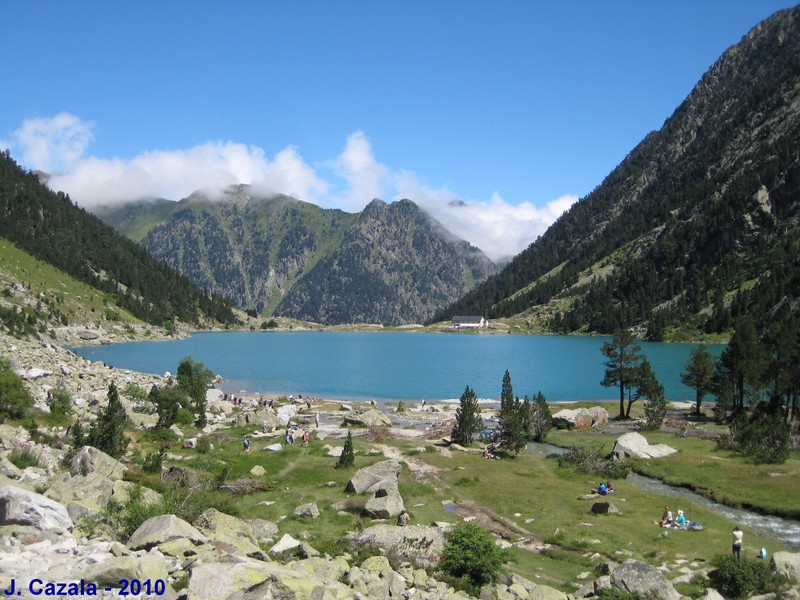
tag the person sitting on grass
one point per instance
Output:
(681, 520)
(666, 518)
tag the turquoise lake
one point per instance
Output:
(398, 366)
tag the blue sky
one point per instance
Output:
(515, 108)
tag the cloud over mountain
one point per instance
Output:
(349, 181)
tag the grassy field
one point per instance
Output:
(525, 497)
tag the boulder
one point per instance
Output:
(419, 544)
(9, 469)
(89, 460)
(635, 444)
(604, 508)
(788, 563)
(23, 507)
(382, 474)
(263, 530)
(634, 576)
(108, 573)
(161, 529)
(368, 418)
(258, 471)
(253, 579)
(581, 418)
(385, 503)
(229, 534)
(286, 412)
(545, 592)
(308, 511)
(274, 447)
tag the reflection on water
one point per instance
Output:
(777, 529)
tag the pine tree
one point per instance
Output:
(699, 374)
(623, 360)
(107, 432)
(541, 419)
(655, 404)
(347, 457)
(468, 419)
(514, 420)
(194, 378)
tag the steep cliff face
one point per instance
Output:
(394, 266)
(389, 264)
(695, 226)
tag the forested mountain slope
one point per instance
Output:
(697, 225)
(389, 264)
(49, 227)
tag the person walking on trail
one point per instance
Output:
(305, 437)
(316, 419)
(737, 535)
(246, 444)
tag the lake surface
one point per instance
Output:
(398, 366)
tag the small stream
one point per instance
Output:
(786, 531)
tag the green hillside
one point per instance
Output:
(698, 225)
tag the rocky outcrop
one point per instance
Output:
(23, 507)
(229, 534)
(635, 444)
(162, 529)
(382, 474)
(385, 503)
(633, 576)
(367, 418)
(419, 544)
(581, 418)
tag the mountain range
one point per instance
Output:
(390, 263)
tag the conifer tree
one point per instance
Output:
(541, 419)
(699, 374)
(623, 360)
(468, 418)
(514, 418)
(347, 457)
(107, 432)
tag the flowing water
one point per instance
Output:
(778, 529)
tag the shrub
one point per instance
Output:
(59, 400)
(23, 458)
(152, 462)
(203, 445)
(184, 416)
(590, 461)
(471, 554)
(744, 577)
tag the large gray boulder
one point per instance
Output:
(634, 576)
(162, 529)
(581, 418)
(788, 563)
(91, 460)
(385, 503)
(635, 444)
(382, 474)
(108, 573)
(420, 544)
(308, 511)
(252, 579)
(368, 418)
(23, 507)
(228, 534)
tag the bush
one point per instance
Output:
(59, 400)
(590, 461)
(23, 458)
(152, 462)
(471, 554)
(745, 577)
(203, 445)
(184, 416)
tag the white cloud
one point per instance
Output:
(365, 176)
(500, 229)
(58, 146)
(51, 144)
